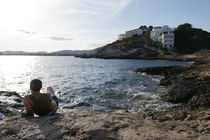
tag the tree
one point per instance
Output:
(150, 27)
(189, 40)
(143, 27)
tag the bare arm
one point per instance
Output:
(27, 104)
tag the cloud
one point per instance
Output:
(25, 32)
(56, 38)
(93, 7)
(59, 21)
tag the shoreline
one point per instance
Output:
(179, 122)
(184, 58)
(188, 119)
(185, 84)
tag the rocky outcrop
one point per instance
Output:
(175, 124)
(83, 125)
(190, 123)
(10, 103)
(112, 53)
(75, 124)
(136, 47)
(165, 71)
(189, 84)
(188, 87)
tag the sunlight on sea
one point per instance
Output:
(16, 72)
(93, 84)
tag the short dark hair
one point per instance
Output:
(36, 85)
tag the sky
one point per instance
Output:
(53, 25)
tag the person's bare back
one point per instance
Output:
(39, 103)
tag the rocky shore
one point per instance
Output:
(188, 88)
(76, 124)
(145, 53)
(189, 84)
(183, 58)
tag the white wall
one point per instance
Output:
(156, 33)
(139, 32)
(168, 40)
(164, 35)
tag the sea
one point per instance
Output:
(87, 84)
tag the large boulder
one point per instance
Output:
(10, 102)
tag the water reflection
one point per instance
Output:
(84, 83)
(16, 72)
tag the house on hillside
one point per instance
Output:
(167, 39)
(131, 33)
(121, 36)
(164, 35)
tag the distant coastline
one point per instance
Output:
(57, 53)
(190, 57)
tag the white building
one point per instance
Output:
(164, 34)
(131, 33)
(121, 37)
(167, 39)
(156, 33)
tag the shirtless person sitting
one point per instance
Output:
(40, 103)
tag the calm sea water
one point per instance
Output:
(93, 84)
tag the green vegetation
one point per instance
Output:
(189, 40)
(165, 51)
(135, 42)
(139, 41)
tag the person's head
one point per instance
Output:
(36, 85)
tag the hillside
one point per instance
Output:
(136, 47)
(57, 53)
(190, 40)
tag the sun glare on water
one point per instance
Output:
(15, 69)
(14, 64)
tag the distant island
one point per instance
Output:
(57, 53)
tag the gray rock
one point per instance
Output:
(10, 102)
